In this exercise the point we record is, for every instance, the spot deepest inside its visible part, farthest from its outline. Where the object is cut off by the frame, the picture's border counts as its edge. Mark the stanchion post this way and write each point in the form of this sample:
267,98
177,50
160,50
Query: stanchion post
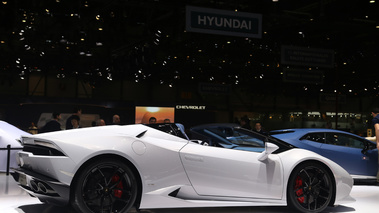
8,157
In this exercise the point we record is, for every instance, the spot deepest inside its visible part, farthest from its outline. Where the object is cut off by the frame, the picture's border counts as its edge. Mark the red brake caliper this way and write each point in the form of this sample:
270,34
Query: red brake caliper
117,192
299,189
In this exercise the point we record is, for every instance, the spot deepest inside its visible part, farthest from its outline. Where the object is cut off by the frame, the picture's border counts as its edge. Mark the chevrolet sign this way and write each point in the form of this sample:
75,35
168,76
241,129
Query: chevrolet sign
190,107
223,22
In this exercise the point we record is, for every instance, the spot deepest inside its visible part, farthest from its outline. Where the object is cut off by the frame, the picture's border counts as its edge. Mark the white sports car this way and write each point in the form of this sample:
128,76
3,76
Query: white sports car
113,168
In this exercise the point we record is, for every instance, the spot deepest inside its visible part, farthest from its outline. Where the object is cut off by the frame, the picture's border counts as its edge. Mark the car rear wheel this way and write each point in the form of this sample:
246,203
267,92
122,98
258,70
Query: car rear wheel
105,185
310,188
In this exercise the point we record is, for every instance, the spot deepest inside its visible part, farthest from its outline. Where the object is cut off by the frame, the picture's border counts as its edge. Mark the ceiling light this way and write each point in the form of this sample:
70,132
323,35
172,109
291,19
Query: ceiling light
110,76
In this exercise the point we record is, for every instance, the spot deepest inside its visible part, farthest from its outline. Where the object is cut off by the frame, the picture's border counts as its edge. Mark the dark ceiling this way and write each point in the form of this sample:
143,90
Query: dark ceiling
145,40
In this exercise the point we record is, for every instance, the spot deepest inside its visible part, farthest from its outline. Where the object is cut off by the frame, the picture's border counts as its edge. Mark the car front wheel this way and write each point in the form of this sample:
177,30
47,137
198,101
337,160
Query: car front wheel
310,188
105,185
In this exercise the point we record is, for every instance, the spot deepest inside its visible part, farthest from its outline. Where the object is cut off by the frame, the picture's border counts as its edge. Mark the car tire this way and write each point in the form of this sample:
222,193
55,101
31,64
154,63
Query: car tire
310,188
104,185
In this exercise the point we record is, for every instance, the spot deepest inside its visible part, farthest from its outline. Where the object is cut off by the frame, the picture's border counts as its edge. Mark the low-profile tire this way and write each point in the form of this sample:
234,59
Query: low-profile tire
105,185
310,188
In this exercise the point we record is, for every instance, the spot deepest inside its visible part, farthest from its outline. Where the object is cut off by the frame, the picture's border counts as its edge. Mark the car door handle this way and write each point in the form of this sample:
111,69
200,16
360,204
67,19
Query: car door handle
194,158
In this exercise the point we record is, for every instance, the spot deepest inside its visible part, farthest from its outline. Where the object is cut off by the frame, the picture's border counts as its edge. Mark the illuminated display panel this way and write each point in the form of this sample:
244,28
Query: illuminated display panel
143,114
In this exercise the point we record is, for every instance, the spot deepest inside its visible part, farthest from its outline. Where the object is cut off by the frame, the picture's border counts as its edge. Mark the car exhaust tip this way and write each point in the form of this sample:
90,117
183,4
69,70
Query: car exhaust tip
34,186
42,188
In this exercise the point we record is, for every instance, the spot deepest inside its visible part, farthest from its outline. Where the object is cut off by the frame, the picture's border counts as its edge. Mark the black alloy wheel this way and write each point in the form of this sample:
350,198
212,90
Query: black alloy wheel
310,188
105,185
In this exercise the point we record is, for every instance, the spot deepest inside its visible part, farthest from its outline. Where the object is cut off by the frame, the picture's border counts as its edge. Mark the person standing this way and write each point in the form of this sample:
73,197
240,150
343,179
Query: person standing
100,122
33,129
258,128
76,112
245,122
152,120
375,123
116,120
52,125
75,121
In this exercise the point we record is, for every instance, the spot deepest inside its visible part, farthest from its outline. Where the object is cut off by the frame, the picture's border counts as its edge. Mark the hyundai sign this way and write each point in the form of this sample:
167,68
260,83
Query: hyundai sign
223,22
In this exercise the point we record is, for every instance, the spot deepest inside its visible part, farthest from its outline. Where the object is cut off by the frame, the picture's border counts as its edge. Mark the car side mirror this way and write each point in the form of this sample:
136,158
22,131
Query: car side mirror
269,148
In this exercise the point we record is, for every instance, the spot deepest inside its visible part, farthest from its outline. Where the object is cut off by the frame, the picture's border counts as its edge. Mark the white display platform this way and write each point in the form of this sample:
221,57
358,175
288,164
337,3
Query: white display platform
15,200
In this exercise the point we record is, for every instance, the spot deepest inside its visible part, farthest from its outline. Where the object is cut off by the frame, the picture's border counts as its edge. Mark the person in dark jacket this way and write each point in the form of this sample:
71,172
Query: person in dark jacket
258,128
52,125
375,123
77,112
75,121
245,122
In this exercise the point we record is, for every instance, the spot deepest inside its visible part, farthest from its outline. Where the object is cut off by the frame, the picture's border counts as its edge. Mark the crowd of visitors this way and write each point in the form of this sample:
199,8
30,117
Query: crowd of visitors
55,123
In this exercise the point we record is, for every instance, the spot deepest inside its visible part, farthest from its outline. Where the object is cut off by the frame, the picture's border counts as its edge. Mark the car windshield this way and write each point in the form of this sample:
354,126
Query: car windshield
235,136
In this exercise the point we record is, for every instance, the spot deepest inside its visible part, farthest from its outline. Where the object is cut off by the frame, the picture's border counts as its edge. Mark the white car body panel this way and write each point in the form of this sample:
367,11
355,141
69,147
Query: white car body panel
9,135
213,172
200,176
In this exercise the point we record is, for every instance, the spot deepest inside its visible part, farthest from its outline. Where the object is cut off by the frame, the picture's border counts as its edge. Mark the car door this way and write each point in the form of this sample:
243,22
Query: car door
216,171
346,150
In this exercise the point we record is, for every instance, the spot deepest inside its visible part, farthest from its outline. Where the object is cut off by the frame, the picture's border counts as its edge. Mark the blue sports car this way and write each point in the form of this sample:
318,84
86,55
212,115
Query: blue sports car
355,154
